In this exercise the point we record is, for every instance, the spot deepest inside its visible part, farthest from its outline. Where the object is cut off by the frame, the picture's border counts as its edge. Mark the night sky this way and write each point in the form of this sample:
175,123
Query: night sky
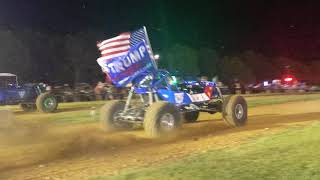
274,28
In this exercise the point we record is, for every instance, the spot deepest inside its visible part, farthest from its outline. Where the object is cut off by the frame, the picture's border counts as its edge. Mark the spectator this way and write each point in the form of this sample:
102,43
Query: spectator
99,91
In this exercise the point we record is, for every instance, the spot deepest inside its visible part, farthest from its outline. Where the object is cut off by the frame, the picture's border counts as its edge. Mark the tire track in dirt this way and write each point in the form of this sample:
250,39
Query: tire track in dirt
83,151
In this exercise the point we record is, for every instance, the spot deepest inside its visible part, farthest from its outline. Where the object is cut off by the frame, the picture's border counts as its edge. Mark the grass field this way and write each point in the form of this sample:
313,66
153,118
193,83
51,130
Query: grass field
292,154
254,101
69,144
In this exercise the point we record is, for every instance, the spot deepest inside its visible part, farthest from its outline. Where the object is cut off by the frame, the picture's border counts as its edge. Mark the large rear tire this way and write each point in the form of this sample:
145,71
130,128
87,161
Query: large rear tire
235,111
46,103
108,113
161,118
191,117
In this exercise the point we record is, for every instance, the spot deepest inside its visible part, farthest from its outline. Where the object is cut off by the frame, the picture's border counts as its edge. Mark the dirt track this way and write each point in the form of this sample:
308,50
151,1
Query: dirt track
83,151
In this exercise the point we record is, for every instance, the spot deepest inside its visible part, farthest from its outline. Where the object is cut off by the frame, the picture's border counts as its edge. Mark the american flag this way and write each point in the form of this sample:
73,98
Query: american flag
120,45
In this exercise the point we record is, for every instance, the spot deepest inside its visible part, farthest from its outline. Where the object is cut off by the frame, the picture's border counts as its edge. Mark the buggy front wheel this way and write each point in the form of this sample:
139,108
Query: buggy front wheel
161,118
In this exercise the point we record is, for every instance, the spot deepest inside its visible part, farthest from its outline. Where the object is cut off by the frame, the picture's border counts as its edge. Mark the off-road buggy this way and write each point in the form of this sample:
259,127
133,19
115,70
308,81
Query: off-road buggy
30,97
162,105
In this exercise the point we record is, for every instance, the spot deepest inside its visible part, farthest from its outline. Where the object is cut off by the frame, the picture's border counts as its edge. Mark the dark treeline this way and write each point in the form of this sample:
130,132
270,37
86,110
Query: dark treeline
71,57
50,57
248,66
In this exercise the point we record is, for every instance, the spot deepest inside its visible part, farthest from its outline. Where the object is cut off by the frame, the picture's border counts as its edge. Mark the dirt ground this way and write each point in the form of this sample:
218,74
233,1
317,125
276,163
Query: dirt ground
46,151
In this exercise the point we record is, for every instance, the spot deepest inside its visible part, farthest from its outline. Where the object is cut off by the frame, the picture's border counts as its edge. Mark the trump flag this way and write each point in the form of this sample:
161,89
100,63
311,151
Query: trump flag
126,56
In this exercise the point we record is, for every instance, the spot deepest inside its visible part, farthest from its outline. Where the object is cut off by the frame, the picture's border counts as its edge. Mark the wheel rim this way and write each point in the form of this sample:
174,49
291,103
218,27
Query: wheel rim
167,122
49,103
239,112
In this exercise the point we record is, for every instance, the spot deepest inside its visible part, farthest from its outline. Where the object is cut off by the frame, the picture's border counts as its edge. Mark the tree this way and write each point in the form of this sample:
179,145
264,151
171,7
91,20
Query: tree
262,66
46,52
182,59
14,56
290,66
314,74
208,62
80,57
232,68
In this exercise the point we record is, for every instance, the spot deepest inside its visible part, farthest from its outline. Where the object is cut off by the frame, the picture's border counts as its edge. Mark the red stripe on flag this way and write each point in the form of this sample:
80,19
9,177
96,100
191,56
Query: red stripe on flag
124,36
115,52
116,46
118,40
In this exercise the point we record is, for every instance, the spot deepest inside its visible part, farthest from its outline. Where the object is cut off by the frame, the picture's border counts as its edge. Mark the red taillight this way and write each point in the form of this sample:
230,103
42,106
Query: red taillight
208,90
288,79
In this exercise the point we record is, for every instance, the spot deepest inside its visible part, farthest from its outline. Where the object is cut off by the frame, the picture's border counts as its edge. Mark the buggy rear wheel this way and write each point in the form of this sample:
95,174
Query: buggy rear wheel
235,111
161,118
46,103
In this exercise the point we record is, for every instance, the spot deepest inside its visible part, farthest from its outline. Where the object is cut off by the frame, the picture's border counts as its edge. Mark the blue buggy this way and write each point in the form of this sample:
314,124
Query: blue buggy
156,101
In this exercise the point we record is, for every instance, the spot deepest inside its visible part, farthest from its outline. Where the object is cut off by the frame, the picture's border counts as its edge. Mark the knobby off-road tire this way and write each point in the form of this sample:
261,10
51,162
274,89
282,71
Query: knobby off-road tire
107,114
235,111
161,119
46,103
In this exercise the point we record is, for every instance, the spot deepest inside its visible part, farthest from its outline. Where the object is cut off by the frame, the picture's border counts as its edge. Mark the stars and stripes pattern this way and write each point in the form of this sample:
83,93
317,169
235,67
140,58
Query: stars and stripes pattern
120,45
114,47
138,36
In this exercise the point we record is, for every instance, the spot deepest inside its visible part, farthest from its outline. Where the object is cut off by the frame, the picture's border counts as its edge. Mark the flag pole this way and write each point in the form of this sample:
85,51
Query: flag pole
149,44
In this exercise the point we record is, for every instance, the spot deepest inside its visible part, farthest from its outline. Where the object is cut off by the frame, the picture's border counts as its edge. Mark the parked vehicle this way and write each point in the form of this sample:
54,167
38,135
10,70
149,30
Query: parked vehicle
30,97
